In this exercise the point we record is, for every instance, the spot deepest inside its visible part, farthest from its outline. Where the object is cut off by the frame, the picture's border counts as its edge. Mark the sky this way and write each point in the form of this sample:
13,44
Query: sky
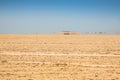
51,16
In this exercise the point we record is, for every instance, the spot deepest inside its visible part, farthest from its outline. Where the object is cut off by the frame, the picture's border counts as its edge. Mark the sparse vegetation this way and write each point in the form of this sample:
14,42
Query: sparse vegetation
4,61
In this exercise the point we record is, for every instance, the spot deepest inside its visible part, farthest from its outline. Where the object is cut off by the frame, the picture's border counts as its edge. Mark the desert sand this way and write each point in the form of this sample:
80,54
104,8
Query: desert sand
59,57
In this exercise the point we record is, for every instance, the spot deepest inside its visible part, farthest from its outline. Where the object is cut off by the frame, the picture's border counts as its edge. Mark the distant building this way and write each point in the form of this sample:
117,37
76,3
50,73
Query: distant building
68,33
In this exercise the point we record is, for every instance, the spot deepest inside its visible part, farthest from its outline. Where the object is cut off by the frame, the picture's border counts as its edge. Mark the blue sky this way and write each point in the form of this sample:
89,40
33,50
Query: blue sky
49,16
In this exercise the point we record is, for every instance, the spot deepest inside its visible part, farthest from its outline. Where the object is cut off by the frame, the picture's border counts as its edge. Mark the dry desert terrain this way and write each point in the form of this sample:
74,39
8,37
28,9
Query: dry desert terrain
59,57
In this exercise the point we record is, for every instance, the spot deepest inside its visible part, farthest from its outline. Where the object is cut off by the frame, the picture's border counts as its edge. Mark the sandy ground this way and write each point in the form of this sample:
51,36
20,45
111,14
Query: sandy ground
57,57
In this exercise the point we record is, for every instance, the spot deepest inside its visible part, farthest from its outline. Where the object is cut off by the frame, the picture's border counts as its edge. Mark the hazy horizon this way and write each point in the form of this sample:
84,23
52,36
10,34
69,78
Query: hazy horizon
51,16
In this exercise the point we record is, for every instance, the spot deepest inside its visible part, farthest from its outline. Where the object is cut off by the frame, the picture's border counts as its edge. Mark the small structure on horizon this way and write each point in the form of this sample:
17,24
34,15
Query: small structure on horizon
68,33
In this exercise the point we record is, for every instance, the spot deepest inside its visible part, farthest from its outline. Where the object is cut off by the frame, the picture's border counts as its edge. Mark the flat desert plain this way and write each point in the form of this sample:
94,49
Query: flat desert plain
59,57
